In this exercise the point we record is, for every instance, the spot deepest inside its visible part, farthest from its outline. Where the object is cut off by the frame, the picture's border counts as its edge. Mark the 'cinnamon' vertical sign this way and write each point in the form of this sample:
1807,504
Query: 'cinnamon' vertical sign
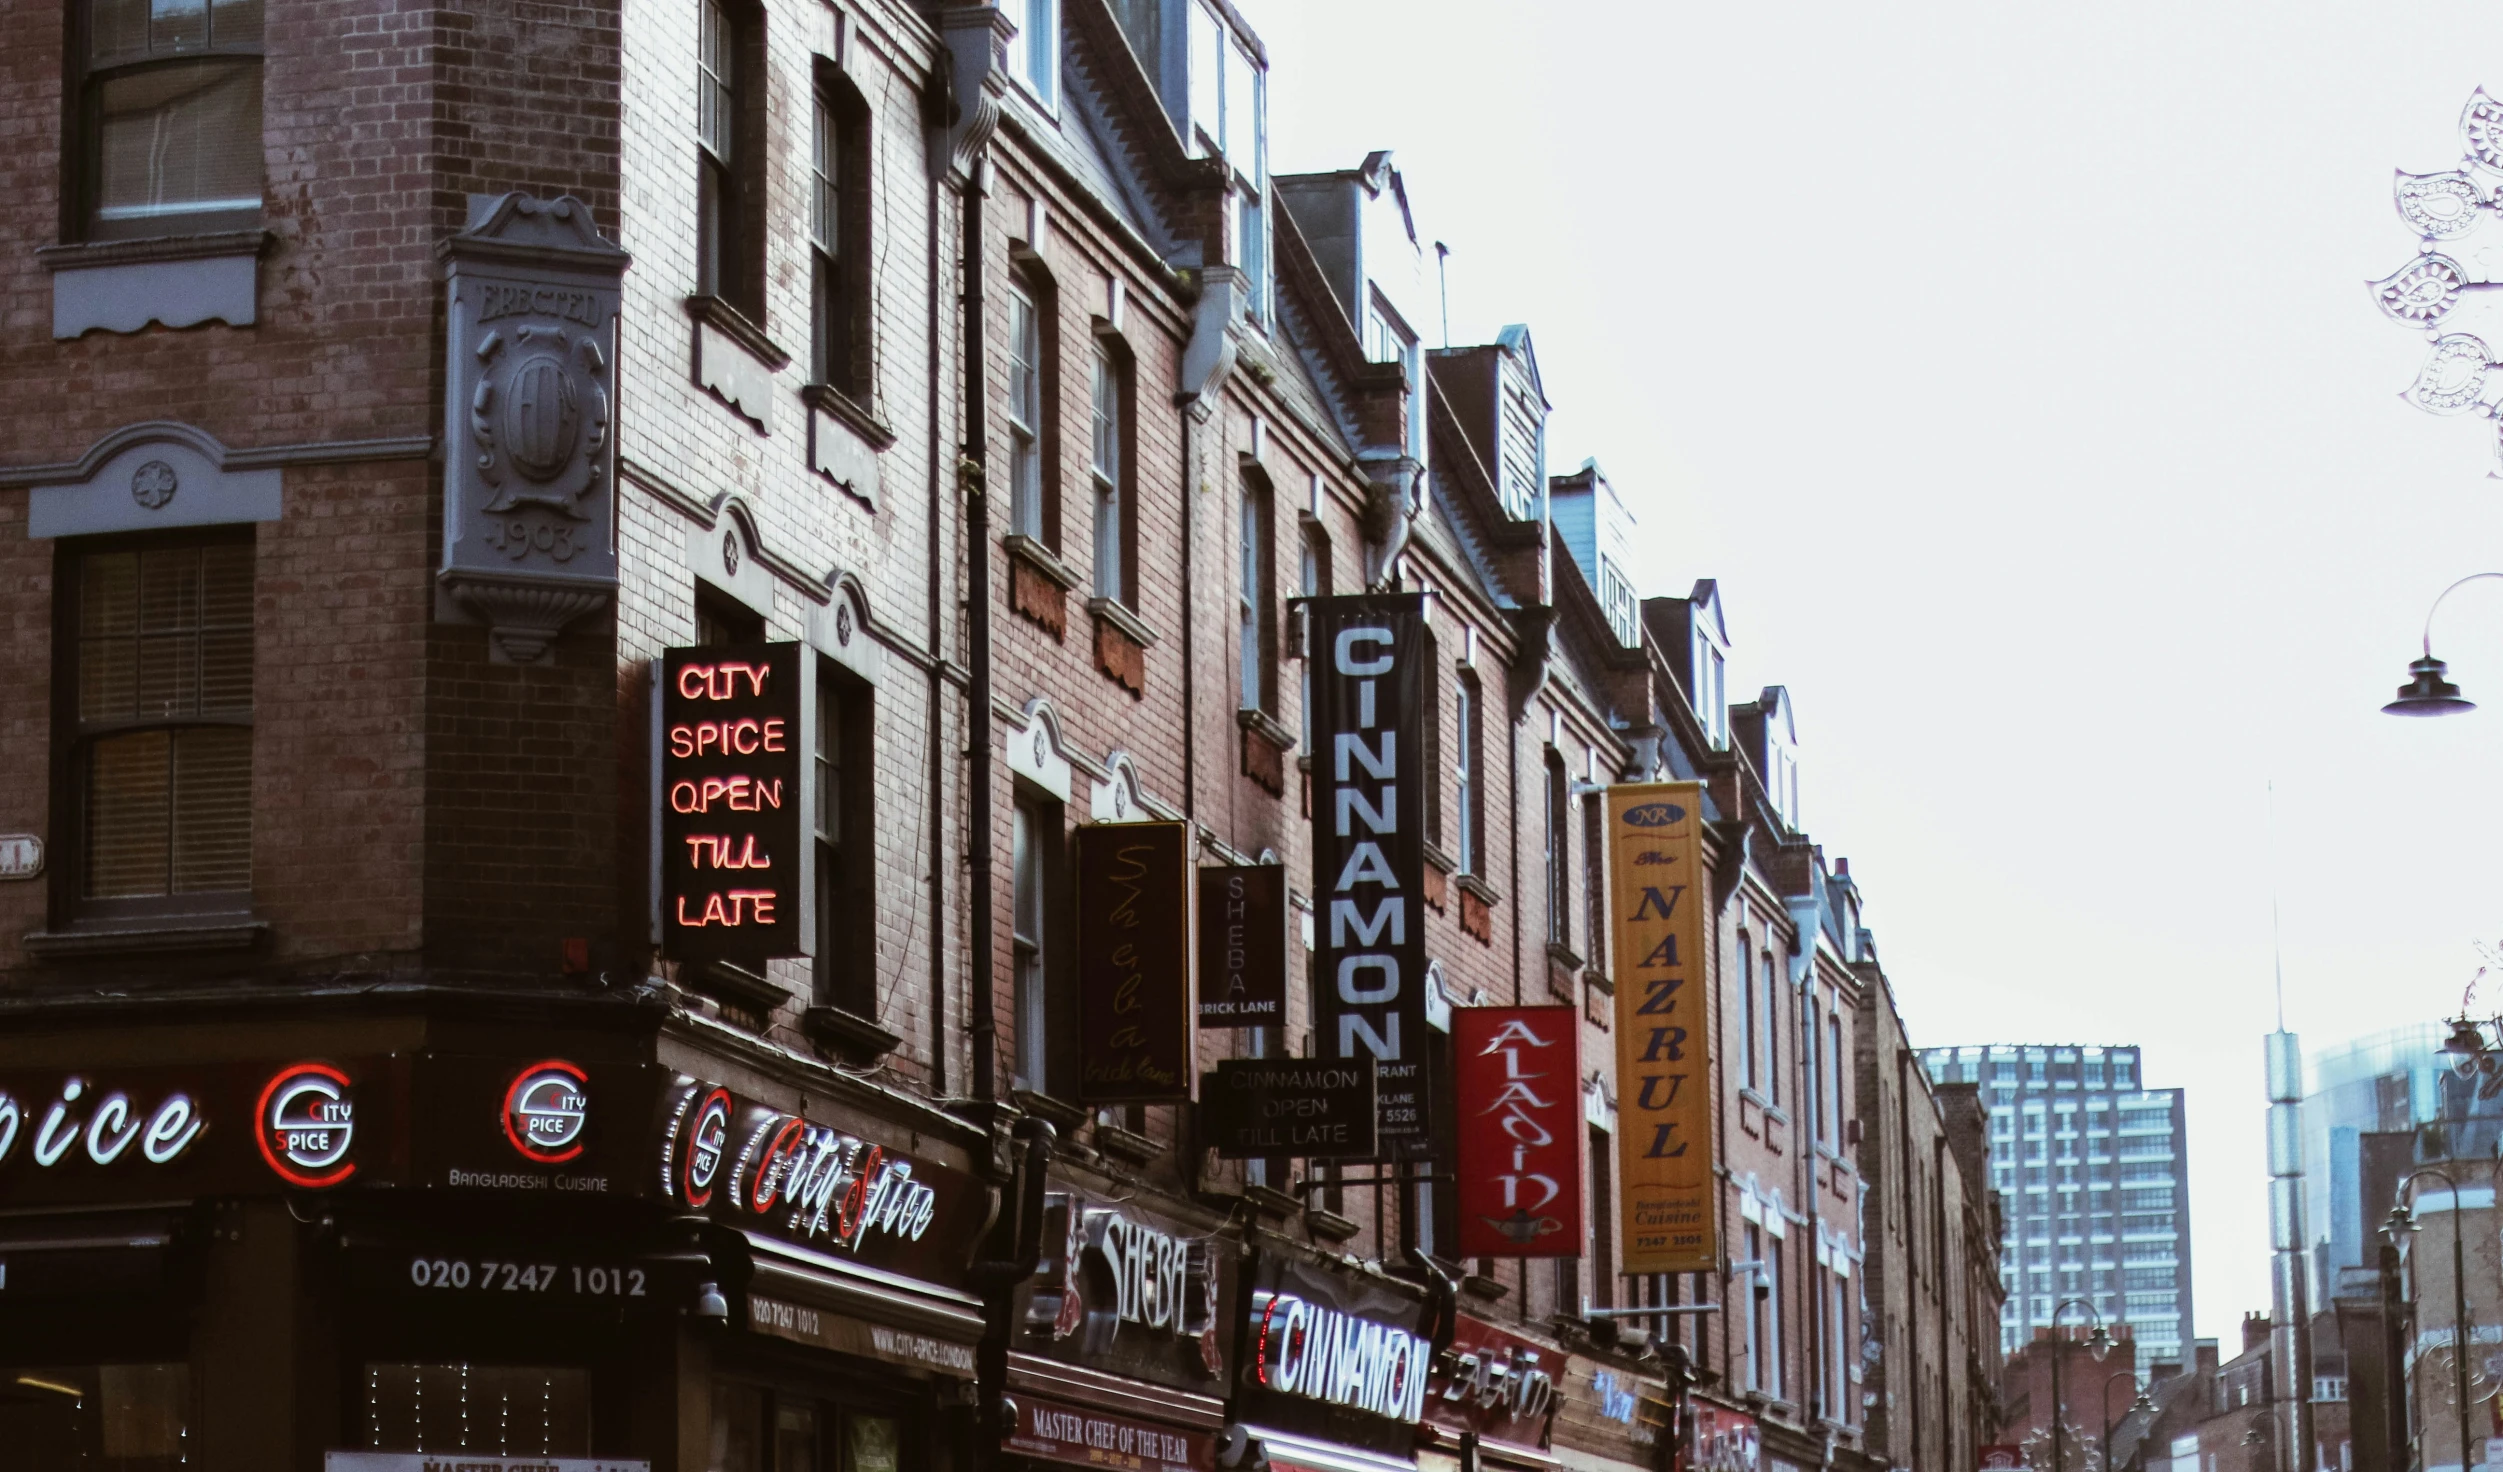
1517,1077
736,793
1660,902
1369,683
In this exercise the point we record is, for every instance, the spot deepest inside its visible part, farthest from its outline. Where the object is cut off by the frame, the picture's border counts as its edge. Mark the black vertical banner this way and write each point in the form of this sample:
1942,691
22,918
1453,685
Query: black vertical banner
1242,945
737,788
1369,679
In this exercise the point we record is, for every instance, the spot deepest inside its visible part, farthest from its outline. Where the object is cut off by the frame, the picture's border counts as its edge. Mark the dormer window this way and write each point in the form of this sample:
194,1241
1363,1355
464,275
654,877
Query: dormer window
1781,782
1034,56
1710,695
1225,93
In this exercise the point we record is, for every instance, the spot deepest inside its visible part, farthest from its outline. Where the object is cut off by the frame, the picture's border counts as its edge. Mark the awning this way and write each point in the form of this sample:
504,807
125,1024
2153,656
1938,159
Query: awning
1113,1392
811,1298
1575,1460
1289,1451
60,1256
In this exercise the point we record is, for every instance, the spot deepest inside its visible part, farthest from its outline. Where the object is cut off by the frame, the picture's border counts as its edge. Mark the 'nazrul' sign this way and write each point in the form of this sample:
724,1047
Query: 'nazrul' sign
1660,906
1134,962
1517,1080
1368,850
737,789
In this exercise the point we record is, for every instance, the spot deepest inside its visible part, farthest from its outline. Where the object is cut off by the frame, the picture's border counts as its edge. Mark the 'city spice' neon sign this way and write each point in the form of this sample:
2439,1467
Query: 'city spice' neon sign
736,788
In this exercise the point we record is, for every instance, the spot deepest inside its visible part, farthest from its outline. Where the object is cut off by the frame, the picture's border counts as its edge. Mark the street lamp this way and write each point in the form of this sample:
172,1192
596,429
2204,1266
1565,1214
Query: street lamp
2402,1219
2426,693
2140,1404
2098,1344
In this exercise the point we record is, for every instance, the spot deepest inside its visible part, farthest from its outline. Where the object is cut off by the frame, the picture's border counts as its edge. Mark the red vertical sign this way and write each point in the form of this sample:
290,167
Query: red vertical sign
1519,1087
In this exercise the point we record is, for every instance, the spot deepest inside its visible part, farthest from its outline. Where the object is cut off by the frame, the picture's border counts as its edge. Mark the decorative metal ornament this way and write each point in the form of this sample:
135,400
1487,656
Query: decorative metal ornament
2453,378
2438,206
2443,207
2481,130
2422,292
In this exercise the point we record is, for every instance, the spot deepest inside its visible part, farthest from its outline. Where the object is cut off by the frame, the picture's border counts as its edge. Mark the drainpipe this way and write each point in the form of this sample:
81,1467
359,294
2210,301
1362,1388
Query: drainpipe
938,677
1207,361
968,91
1810,1053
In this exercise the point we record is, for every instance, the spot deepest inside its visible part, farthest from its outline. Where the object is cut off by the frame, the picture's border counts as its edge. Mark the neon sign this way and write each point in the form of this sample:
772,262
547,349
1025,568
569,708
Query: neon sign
545,1110
305,1125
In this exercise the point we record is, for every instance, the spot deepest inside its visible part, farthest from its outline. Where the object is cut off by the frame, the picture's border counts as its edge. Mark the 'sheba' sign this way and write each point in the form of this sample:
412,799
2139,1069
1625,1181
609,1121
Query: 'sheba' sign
736,793
1135,1039
1518,1085
1368,855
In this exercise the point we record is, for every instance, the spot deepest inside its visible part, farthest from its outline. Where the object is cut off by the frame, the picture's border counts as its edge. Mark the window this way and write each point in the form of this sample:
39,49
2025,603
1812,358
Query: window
1751,1071
1108,463
1315,583
1833,1093
1603,1246
846,960
1559,855
160,739
1595,879
113,1418
169,118
721,620
1710,695
1034,57
1036,849
761,1429
1772,1029
1032,386
840,352
1433,683
1465,807
730,240
1256,599
505,1410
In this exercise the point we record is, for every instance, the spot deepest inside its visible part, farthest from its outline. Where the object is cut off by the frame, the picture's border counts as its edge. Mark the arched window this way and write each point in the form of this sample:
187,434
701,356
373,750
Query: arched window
1466,777
1256,596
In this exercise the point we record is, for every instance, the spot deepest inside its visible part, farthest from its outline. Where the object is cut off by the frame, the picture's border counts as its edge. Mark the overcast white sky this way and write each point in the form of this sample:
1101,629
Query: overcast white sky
2012,369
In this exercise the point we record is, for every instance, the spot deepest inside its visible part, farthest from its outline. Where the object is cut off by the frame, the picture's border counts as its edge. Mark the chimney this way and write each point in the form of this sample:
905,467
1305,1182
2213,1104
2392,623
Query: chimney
2205,1352
2254,1331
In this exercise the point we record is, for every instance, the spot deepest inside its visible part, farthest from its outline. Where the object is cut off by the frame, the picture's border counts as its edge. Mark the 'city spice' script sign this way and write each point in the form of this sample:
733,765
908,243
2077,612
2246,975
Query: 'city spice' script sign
736,791
1660,898
1368,847
1134,962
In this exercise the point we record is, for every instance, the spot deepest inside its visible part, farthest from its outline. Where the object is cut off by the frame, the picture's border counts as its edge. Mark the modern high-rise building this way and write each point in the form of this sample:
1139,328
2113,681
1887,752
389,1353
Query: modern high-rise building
2381,1083
2094,1169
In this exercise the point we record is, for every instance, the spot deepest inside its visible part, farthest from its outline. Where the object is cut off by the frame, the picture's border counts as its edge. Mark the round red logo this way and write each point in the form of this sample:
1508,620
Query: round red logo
545,1110
305,1124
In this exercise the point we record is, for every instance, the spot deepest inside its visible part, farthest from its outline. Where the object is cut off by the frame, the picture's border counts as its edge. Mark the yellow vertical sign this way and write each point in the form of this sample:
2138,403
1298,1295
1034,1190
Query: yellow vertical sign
1661,901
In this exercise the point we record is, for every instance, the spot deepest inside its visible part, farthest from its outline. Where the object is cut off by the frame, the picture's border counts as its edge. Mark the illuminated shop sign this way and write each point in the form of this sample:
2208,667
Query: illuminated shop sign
305,1124
101,1125
1333,1353
1321,1354
744,1162
736,797
1496,1384
545,1110
1109,1269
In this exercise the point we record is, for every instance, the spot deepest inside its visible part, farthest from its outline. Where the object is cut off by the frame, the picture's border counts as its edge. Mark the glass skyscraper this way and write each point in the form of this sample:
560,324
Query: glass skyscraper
2093,1170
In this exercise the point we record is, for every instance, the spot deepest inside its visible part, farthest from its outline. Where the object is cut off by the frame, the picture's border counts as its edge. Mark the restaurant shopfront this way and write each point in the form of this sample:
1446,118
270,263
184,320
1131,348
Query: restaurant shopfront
368,1245
1332,1365
1117,1353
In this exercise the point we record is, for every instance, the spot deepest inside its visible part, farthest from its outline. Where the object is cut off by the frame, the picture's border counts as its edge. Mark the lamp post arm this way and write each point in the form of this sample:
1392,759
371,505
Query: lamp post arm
2445,593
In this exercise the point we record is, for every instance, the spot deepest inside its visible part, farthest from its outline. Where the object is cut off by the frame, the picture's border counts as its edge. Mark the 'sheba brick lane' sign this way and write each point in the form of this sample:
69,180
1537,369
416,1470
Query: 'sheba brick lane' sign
736,790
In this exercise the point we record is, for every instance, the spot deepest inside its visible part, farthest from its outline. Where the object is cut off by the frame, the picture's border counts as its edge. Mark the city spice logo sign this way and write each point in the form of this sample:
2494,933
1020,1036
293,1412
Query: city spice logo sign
814,1182
545,1110
305,1124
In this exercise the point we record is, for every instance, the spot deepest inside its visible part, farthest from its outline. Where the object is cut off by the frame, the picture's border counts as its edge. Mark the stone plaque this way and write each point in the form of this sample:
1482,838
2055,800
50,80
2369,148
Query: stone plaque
530,432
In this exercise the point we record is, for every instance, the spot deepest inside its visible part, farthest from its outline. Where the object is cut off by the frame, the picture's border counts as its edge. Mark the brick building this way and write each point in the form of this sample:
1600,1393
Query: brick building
414,408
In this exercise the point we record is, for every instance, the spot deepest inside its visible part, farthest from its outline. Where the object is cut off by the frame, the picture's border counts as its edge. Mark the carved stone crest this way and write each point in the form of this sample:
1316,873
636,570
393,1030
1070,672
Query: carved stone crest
154,484
529,501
